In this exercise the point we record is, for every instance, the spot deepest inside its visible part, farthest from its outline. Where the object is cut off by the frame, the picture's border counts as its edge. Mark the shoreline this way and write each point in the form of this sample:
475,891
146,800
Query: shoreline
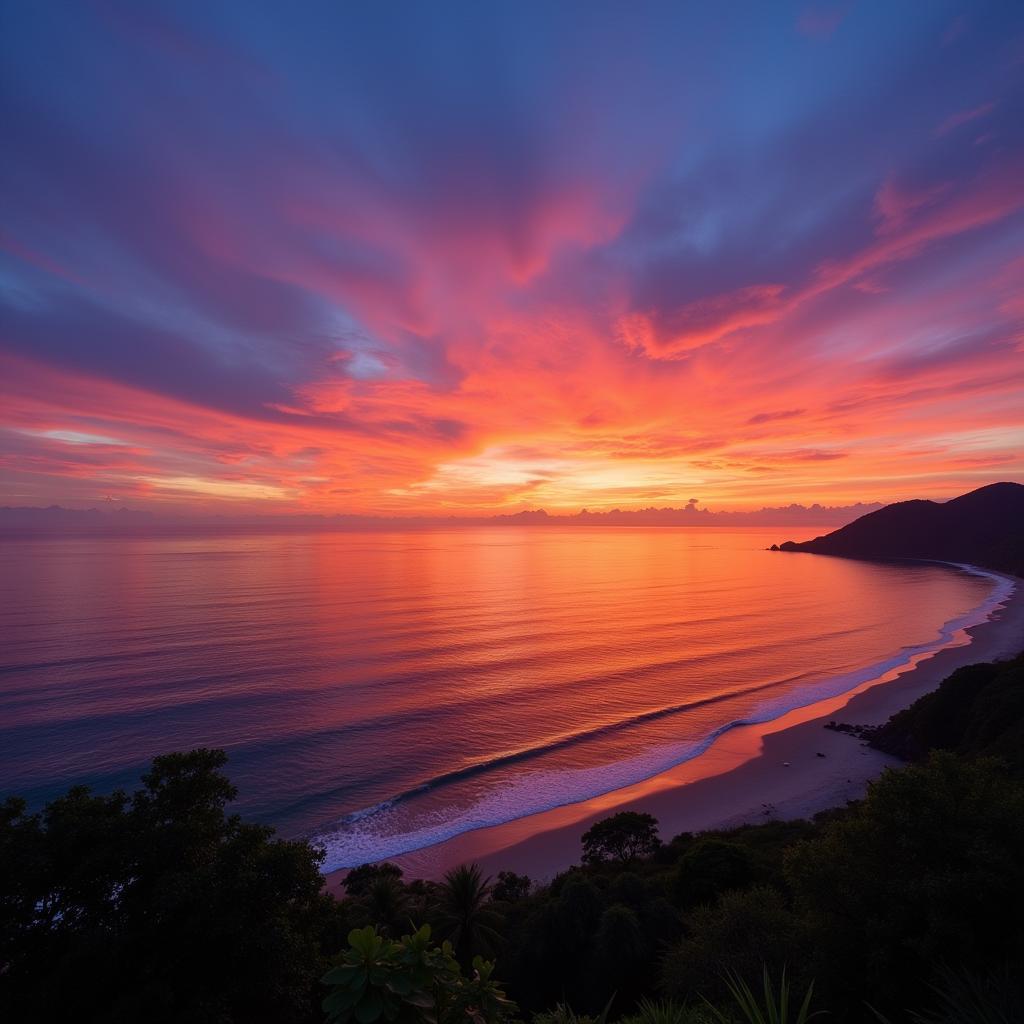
752,773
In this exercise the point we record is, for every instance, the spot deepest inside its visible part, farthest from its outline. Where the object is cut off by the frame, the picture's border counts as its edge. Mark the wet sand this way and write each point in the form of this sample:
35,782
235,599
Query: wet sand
752,773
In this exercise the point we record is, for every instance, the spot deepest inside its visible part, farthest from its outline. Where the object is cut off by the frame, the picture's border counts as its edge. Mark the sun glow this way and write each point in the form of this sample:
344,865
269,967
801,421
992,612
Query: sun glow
564,292
191,485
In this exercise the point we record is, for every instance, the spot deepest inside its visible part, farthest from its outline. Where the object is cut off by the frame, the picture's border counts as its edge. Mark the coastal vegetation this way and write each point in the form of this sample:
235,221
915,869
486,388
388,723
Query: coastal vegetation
162,906
978,711
159,906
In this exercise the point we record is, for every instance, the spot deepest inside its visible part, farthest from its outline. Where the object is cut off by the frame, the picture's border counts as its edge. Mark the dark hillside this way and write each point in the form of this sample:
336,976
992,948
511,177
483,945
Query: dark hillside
984,527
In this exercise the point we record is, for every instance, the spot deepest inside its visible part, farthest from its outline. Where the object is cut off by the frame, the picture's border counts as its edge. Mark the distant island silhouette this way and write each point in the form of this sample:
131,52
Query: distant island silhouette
984,527
121,521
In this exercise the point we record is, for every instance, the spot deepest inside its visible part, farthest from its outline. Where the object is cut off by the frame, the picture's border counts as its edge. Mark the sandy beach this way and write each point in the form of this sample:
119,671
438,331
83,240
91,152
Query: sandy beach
750,774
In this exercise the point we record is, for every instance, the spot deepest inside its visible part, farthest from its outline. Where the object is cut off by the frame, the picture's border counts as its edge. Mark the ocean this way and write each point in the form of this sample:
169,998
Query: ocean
380,692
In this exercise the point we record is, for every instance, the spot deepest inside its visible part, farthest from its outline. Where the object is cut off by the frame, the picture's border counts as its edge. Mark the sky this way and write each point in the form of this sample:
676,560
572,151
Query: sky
400,258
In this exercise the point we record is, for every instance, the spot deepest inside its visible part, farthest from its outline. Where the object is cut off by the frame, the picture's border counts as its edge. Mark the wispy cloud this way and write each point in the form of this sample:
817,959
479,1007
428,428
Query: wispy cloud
357,264
963,117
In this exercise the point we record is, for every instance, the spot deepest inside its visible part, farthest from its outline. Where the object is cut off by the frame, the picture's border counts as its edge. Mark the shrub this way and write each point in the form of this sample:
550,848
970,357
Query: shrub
667,1011
929,867
411,981
735,935
709,868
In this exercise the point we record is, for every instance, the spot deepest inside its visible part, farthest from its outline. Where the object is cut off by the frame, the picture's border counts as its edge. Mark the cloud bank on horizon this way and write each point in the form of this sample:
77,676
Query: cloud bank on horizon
476,257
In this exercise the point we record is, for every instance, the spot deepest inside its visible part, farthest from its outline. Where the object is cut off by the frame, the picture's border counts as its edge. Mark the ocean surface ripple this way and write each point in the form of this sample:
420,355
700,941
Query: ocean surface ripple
379,693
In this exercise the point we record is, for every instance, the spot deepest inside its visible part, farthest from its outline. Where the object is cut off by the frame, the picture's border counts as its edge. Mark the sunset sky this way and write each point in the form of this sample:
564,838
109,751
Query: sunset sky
440,257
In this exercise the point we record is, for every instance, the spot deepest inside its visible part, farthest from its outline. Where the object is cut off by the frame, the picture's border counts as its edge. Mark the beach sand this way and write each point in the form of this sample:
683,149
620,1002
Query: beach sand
755,773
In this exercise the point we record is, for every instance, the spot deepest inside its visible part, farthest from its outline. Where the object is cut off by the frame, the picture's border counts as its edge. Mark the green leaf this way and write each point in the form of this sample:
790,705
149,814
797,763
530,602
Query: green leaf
602,1019
343,999
340,975
421,999
369,1008
332,1003
399,983
366,942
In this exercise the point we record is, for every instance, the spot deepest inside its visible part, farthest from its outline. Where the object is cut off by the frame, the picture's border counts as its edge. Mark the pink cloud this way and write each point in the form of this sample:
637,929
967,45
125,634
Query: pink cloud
896,203
821,21
963,117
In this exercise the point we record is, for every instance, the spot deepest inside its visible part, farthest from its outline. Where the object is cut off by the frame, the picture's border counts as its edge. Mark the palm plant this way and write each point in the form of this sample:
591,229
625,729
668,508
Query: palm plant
562,1013
964,997
466,916
384,903
565,1014
665,1011
772,1008
968,998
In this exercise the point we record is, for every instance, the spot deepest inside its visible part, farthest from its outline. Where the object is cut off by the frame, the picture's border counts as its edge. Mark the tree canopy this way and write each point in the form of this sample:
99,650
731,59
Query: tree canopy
622,837
159,906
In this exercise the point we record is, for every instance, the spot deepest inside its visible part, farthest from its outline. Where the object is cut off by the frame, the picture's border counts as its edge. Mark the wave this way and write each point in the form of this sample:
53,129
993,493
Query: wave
395,826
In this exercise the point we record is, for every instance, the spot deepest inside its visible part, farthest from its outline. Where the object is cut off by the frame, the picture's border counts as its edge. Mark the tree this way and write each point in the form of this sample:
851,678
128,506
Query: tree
158,907
383,901
552,958
621,946
709,868
928,868
359,879
622,837
742,933
510,887
465,914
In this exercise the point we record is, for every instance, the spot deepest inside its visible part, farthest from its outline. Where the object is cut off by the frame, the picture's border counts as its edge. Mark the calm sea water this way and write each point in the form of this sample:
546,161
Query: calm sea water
384,691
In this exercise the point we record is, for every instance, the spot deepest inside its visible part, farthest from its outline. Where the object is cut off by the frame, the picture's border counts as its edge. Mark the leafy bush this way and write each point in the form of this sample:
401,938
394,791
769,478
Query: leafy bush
928,868
710,867
977,711
737,935
411,981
